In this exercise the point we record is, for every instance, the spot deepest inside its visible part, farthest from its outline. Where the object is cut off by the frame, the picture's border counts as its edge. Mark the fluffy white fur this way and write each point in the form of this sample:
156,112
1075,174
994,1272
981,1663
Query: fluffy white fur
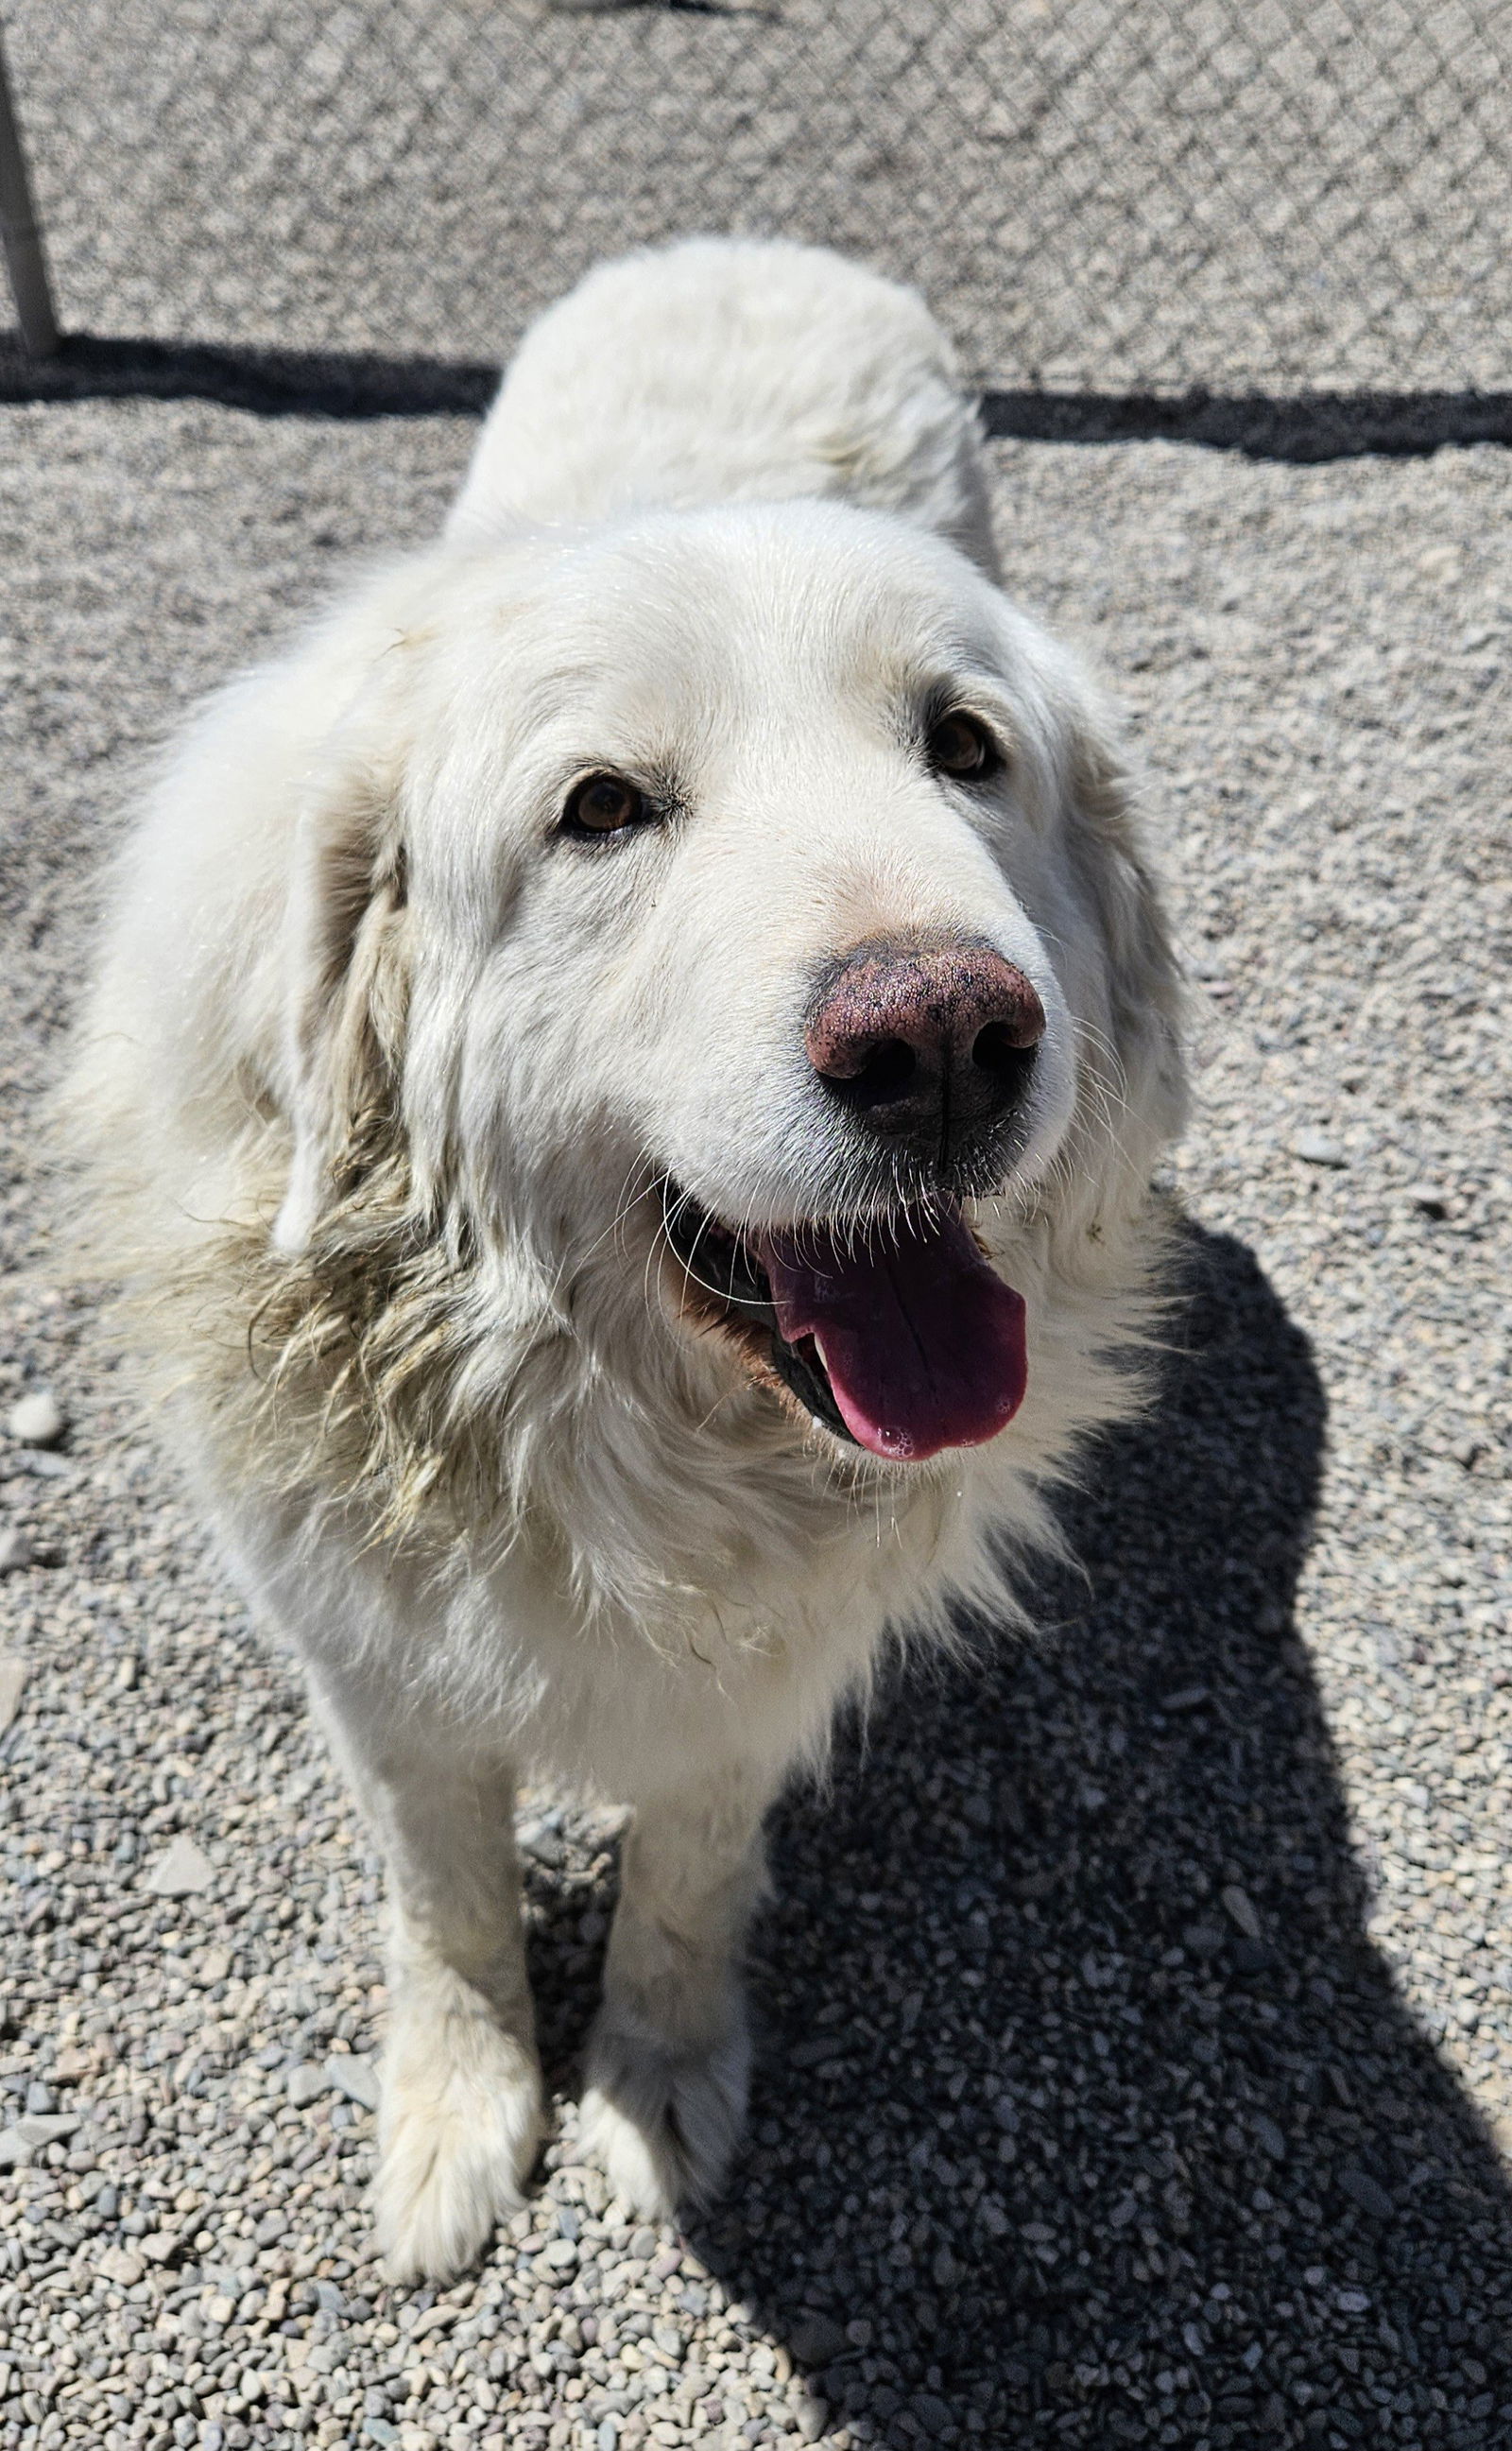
378,1072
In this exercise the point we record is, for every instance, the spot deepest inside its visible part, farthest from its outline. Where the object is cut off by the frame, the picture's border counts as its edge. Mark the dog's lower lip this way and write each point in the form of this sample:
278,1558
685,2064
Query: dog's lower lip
717,1259
720,1261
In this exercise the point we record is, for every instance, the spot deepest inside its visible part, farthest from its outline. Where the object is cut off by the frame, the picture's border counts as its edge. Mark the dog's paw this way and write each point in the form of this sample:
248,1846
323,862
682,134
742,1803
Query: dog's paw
460,2121
663,2123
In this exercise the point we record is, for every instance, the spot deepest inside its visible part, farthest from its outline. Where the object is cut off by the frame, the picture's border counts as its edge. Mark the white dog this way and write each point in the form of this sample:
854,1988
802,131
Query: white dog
625,1070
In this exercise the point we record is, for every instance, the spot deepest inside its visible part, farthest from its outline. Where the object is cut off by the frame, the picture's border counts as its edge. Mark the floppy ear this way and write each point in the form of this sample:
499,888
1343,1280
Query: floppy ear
1143,981
347,988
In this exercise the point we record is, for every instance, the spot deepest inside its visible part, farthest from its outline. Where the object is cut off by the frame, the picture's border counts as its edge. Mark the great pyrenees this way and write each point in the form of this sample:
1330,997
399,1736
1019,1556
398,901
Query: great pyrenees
624,1072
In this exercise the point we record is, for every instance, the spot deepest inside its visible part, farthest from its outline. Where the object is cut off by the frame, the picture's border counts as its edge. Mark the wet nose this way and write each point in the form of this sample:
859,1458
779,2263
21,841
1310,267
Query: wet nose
929,1046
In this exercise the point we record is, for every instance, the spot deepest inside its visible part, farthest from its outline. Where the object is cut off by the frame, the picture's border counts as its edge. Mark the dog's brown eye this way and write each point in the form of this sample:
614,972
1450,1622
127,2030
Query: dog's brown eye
605,804
958,745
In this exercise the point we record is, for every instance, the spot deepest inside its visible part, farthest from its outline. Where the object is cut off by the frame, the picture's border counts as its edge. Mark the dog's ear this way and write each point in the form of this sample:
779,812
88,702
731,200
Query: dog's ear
1145,995
348,961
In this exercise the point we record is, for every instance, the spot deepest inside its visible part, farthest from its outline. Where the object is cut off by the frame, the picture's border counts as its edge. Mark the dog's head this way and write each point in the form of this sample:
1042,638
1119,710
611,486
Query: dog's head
739,909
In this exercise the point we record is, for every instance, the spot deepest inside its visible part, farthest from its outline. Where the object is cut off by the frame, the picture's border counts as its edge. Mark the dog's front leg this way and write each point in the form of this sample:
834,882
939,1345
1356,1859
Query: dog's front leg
669,2057
460,2115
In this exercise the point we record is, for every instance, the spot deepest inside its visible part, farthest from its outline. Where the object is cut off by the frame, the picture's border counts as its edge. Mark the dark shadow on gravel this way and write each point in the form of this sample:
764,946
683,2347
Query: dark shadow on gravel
1304,427
1310,426
272,382
1084,2110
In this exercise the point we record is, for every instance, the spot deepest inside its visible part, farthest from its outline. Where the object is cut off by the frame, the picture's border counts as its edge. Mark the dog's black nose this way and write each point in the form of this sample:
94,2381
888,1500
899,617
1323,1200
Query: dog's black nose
928,1045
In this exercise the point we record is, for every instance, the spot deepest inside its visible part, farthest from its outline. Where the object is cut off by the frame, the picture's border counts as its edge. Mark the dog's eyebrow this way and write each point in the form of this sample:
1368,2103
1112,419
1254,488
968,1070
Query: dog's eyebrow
970,691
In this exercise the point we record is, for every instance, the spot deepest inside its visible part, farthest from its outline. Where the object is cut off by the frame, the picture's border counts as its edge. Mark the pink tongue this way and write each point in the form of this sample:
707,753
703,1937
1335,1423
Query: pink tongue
922,1344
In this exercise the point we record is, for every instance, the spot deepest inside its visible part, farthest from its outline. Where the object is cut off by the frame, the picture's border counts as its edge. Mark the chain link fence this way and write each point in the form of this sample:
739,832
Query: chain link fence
1111,195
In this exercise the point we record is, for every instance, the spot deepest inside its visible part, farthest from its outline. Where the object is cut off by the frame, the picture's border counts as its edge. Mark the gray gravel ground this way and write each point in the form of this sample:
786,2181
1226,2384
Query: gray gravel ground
1136,2056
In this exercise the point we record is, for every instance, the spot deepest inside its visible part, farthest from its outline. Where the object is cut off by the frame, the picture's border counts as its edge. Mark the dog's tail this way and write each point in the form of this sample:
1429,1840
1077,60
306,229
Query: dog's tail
726,370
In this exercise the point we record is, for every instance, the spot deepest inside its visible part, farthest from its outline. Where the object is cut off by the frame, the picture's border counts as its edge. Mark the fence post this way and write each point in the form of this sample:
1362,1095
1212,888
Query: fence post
25,260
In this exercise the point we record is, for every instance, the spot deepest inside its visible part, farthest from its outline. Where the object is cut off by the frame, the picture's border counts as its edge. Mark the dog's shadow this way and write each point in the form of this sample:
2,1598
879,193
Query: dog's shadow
1084,2110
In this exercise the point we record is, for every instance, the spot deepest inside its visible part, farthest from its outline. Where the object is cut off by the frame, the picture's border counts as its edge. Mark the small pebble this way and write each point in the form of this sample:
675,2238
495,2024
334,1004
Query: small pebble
1269,2135
16,1549
817,2339
12,1680
356,2076
1315,1148
1241,1910
1367,2193
37,1419
27,2136
180,1871
1429,1200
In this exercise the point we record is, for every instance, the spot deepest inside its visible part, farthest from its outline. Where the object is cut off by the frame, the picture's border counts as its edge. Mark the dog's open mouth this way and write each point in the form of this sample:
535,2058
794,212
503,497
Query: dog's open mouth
903,1340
